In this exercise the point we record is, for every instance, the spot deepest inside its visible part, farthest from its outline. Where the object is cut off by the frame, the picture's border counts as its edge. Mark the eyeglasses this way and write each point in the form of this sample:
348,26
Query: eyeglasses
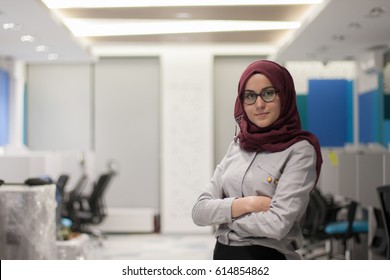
267,95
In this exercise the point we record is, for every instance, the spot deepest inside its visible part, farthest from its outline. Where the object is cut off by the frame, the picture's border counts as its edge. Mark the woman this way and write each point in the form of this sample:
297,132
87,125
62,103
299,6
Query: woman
261,188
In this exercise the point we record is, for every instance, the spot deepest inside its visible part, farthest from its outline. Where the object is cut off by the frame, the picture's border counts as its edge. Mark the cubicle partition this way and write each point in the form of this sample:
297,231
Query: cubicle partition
355,174
338,175
370,175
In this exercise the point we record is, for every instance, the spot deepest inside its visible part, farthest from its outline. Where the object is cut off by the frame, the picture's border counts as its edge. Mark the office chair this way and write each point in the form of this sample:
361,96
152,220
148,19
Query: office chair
379,241
60,187
384,198
347,230
326,226
61,183
321,210
90,209
74,194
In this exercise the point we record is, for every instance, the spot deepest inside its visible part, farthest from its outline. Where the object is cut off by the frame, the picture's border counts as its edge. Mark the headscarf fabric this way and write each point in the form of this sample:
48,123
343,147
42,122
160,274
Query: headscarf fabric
286,130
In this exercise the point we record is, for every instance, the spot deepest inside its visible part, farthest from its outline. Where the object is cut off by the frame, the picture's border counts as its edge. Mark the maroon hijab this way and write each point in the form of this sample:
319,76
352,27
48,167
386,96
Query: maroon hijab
286,130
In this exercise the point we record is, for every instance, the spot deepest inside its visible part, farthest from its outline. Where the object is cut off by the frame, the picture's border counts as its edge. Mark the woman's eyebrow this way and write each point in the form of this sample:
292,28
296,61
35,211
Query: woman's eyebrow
251,90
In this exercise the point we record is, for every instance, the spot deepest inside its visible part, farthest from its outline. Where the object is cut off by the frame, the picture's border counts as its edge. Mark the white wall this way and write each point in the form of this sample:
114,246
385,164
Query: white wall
126,129
59,107
186,134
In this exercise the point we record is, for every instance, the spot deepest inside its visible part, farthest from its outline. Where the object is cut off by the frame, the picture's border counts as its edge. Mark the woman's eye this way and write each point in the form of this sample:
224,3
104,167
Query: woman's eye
269,92
249,95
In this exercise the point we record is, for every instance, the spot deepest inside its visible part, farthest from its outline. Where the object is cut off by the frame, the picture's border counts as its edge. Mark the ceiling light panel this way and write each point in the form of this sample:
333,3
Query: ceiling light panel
89,28
63,4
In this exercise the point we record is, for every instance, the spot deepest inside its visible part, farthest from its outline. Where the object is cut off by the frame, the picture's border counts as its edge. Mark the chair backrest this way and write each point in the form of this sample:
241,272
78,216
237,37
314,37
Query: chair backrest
309,220
96,198
322,209
79,187
317,215
384,199
61,183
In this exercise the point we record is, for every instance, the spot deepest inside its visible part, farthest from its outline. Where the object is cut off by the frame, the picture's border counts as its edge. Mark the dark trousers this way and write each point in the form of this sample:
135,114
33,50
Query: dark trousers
252,252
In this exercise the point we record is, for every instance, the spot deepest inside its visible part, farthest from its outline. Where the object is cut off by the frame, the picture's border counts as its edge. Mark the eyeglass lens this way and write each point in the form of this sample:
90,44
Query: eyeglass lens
267,95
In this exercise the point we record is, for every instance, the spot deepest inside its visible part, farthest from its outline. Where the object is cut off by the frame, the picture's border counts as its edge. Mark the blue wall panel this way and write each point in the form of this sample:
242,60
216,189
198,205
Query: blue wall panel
368,122
330,111
4,107
349,112
302,108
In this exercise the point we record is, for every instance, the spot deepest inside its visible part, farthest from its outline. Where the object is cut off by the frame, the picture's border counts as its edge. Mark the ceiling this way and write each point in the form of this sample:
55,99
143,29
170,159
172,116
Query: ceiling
332,30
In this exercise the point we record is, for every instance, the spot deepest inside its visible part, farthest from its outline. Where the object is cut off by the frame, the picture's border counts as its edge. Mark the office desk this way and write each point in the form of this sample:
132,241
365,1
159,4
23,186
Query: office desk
27,222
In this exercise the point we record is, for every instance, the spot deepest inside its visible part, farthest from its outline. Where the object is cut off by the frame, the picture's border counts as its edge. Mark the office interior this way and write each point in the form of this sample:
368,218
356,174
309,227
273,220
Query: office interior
156,113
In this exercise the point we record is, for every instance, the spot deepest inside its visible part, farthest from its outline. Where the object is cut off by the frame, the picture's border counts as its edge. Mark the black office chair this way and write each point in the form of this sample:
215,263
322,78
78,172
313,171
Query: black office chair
320,211
379,243
61,183
74,194
327,226
384,198
90,209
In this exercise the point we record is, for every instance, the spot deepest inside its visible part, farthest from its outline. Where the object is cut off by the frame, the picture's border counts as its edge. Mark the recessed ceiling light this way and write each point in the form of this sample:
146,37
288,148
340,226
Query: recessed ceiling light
41,48
27,38
11,26
52,56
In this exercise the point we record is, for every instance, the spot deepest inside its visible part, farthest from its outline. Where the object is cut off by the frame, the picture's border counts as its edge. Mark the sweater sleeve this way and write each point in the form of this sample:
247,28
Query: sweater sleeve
289,202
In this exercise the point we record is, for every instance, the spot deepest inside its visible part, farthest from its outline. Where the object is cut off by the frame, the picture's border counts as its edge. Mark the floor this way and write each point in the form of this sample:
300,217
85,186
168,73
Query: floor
175,247
152,247
162,247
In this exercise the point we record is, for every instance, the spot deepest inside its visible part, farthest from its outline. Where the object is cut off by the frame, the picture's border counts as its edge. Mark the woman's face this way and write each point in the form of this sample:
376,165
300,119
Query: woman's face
261,113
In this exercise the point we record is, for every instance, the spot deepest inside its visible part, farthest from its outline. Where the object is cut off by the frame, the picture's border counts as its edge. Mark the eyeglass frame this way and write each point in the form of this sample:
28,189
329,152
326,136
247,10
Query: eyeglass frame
263,91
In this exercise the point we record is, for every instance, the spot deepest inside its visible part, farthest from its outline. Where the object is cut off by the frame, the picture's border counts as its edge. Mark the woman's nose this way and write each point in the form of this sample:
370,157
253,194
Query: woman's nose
259,102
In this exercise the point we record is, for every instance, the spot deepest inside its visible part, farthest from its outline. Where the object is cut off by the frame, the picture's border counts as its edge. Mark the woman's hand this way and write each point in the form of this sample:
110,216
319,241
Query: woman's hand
249,204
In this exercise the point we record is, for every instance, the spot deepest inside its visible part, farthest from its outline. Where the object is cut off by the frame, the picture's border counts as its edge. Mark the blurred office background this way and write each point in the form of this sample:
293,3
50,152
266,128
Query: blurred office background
79,95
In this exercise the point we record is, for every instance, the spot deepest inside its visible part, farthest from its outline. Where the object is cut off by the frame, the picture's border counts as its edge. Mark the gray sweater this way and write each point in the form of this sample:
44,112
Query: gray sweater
287,176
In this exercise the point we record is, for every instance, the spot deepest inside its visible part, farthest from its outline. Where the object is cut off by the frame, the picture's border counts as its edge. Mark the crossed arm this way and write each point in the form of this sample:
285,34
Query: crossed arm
249,204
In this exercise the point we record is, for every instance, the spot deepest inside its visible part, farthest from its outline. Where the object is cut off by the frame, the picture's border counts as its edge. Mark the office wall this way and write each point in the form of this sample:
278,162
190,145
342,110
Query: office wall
127,129
329,111
186,133
111,108
59,107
